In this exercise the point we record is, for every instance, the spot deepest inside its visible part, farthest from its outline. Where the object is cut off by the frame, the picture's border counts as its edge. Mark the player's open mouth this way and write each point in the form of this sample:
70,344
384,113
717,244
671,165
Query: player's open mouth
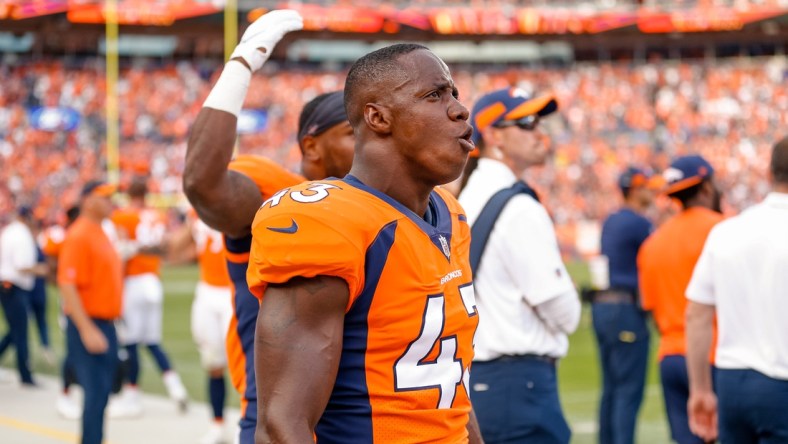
465,139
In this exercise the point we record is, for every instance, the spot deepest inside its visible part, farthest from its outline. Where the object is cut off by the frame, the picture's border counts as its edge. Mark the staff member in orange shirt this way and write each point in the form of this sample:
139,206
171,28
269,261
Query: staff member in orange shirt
665,264
90,277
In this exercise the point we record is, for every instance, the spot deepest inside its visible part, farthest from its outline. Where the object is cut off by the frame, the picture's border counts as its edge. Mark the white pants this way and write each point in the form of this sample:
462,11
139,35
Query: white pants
212,310
142,310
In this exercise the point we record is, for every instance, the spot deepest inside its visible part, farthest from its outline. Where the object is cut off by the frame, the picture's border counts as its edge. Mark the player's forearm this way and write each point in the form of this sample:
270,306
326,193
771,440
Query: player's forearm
154,250
38,270
561,313
52,269
700,319
474,432
206,181
225,200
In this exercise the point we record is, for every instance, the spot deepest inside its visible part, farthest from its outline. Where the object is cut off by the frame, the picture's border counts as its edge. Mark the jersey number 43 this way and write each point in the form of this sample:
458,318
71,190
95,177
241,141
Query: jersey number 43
413,372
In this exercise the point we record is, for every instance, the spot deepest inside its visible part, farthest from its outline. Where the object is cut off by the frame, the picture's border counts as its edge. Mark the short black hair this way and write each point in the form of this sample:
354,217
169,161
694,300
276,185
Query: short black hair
687,194
369,68
779,162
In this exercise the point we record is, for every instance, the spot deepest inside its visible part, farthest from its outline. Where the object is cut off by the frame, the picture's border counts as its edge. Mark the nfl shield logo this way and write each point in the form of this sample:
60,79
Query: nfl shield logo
445,246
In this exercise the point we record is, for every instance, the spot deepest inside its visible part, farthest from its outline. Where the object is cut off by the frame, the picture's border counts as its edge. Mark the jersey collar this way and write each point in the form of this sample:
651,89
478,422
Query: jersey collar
439,231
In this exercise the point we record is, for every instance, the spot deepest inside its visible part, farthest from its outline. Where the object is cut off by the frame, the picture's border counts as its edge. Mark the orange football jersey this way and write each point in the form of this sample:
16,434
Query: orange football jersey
269,178
411,316
146,227
210,255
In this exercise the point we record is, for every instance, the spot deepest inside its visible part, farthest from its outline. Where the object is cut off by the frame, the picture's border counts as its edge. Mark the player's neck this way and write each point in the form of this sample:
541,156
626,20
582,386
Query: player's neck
635,205
407,192
93,217
780,187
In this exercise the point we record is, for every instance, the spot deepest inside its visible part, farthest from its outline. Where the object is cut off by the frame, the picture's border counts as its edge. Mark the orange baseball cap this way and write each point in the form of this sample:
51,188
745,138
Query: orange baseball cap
98,188
508,104
685,172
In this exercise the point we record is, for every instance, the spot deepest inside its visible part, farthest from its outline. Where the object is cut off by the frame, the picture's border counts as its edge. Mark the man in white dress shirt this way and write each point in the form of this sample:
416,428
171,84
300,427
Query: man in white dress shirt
526,300
742,277
17,265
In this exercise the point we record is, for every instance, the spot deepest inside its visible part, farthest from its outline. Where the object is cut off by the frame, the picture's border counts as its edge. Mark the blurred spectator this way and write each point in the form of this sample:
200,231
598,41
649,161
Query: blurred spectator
17,265
665,263
619,323
526,300
740,283
38,299
90,280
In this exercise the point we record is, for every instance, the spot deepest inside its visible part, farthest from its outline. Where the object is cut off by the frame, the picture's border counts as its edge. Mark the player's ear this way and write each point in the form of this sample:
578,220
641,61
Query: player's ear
309,149
708,187
378,118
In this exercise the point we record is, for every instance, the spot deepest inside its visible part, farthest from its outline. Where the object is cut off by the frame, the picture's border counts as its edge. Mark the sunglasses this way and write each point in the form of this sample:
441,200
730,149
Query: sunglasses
527,123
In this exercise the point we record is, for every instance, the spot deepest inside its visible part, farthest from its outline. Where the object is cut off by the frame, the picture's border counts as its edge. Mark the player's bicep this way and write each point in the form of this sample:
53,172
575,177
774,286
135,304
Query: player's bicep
298,345
229,207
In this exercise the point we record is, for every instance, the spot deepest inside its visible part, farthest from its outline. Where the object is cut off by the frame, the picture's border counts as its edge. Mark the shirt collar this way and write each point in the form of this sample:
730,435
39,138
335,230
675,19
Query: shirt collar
777,200
495,173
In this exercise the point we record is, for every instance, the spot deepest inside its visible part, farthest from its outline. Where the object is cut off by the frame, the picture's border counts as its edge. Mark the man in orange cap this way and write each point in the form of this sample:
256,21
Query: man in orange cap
665,264
90,277
526,300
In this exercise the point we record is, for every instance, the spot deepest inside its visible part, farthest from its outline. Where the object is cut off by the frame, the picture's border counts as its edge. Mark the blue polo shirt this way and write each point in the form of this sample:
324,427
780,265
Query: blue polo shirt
622,235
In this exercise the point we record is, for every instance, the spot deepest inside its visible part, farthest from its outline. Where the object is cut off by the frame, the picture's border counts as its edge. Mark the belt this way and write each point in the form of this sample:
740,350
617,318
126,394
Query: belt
614,297
527,357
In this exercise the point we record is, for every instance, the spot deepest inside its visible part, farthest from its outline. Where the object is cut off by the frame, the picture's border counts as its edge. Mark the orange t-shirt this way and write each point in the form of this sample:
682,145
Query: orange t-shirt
146,227
89,261
665,265
211,255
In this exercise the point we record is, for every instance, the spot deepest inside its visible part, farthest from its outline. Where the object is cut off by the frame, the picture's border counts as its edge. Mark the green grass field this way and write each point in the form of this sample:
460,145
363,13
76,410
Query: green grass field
578,372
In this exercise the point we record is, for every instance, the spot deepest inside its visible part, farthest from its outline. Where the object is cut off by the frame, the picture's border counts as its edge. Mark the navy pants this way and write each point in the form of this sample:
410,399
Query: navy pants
516,400
38,307
14,301
94,373
623,338
675,389
753,408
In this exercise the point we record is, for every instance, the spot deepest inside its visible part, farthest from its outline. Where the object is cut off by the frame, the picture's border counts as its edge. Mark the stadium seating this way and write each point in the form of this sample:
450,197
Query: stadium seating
611,114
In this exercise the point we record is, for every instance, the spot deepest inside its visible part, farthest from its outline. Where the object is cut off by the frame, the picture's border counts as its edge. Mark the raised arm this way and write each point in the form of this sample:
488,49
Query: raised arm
297,349
225,200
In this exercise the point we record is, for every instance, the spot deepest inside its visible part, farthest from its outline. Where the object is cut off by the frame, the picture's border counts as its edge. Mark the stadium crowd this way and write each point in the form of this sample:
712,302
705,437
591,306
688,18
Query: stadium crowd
611,114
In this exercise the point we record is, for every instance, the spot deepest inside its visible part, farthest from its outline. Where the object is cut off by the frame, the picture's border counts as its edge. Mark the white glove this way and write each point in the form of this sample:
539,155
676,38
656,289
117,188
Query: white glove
260,37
